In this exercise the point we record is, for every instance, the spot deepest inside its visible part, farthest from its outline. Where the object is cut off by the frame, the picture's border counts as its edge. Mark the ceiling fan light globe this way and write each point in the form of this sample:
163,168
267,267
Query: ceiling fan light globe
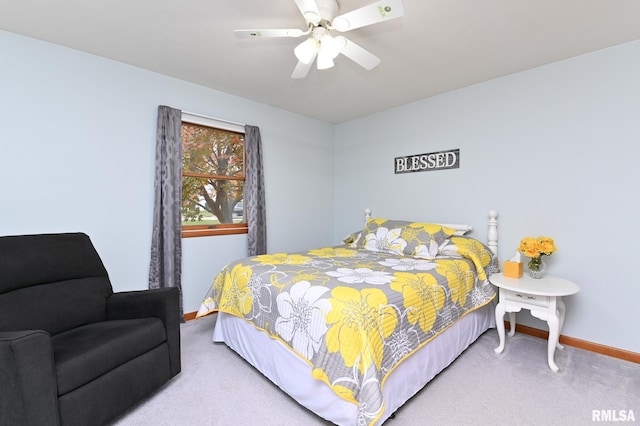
330,46
325,61
306,51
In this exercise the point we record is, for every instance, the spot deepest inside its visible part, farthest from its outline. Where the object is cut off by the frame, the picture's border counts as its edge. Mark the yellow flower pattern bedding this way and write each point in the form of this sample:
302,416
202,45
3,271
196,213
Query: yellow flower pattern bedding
354,314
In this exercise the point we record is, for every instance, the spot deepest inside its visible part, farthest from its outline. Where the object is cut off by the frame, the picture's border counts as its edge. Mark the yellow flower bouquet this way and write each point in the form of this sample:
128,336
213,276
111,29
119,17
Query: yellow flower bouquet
535,248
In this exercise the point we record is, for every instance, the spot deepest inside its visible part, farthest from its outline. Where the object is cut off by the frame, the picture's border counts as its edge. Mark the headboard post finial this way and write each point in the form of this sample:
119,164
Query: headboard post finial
492,235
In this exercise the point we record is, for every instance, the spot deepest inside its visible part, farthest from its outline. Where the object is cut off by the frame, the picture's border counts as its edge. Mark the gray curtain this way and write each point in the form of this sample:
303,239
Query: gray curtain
254,193
166,243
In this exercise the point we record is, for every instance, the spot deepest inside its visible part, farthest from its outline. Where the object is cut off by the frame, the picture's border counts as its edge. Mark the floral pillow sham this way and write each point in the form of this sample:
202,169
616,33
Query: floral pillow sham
404,238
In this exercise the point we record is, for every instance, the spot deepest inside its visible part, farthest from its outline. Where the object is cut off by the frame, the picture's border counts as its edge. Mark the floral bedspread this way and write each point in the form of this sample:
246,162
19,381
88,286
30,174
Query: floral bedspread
355,314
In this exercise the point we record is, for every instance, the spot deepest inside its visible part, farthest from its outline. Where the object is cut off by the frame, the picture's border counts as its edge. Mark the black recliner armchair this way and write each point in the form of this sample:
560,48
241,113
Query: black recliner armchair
73,352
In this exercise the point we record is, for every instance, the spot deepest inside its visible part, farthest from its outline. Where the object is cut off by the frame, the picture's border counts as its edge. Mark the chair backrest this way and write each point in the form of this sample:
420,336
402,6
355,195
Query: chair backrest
51,282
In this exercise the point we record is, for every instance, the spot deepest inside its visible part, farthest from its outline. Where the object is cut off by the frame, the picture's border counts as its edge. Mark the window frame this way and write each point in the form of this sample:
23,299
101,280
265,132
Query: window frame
223,228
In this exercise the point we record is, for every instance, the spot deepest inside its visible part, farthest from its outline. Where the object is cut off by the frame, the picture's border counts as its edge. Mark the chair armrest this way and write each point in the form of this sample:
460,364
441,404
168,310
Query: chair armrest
29,391
162,303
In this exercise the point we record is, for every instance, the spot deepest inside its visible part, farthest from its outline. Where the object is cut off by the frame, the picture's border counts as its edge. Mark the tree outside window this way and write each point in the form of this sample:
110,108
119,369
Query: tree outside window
213,174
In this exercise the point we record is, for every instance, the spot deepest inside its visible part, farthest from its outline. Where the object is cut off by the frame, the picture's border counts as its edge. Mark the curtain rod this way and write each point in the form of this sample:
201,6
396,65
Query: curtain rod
212,118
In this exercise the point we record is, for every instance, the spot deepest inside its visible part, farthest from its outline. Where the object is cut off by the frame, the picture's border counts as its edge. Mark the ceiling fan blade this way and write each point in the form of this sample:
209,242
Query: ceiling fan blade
379,11
301,70
309,10
269,33
357,54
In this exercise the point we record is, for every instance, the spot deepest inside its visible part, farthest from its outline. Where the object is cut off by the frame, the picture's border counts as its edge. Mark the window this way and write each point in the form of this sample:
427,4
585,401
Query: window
213,175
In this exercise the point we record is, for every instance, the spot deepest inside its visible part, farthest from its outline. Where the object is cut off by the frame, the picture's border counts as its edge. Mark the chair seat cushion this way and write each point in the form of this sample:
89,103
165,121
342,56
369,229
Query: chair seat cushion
87,352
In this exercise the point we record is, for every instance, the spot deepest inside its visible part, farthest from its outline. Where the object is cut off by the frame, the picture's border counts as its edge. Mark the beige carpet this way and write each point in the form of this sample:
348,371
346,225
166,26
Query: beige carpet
217,387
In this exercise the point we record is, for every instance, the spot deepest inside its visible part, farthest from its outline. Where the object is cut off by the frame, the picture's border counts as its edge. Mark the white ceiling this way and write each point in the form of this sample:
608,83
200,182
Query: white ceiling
437,46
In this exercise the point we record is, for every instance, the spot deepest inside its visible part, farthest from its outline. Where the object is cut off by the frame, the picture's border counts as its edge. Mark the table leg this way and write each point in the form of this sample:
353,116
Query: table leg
512,324
554,334
500,326
561,311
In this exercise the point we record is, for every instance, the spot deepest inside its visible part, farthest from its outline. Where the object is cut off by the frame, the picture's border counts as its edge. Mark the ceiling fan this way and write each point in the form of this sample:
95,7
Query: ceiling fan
322,17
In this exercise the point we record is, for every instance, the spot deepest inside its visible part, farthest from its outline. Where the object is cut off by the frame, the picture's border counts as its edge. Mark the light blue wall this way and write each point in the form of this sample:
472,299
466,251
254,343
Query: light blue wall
554,150
78,144
78,133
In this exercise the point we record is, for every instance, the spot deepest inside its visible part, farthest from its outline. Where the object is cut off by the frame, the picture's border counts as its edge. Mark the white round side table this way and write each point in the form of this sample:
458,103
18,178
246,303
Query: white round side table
543,297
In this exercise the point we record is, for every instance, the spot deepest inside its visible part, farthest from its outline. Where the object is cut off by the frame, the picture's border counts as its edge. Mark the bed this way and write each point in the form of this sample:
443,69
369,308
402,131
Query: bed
352,332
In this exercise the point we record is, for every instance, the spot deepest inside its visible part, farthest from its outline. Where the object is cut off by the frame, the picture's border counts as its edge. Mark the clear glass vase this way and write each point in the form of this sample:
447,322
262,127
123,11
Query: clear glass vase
537,267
